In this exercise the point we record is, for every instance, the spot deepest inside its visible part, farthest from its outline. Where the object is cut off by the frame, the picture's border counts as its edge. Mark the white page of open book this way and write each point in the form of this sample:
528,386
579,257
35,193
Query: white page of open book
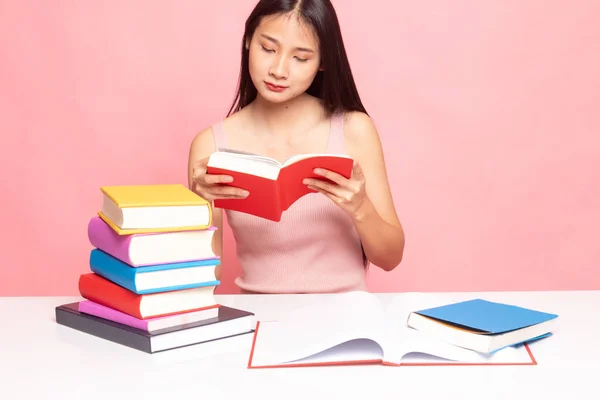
299,157
240,161
355,326
248,155
323,326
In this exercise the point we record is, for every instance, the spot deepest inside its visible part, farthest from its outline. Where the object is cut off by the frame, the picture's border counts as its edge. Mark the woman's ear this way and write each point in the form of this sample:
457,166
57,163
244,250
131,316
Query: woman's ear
247,44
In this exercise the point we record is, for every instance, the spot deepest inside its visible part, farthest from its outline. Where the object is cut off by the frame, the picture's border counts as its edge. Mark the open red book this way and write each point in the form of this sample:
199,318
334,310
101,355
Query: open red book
273,186
357,328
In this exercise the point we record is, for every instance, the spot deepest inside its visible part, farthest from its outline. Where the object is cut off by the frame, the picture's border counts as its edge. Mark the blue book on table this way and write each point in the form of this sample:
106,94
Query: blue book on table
483,325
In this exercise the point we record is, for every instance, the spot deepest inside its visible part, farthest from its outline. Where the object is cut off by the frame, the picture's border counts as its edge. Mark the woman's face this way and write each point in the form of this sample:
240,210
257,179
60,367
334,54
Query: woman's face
283,58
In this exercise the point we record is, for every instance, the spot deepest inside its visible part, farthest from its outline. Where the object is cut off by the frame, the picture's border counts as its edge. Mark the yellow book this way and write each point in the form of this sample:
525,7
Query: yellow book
132,209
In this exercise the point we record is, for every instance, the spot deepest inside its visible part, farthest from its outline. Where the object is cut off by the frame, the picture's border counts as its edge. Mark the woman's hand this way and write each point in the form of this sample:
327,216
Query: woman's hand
348,194
211,187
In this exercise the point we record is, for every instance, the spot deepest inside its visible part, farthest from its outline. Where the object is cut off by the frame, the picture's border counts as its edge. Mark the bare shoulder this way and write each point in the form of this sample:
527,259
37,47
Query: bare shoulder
358,121
360,135
237,118
236,123
203,142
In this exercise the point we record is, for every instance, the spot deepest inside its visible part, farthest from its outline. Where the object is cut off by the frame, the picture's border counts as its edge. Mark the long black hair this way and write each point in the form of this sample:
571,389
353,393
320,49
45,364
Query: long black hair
334,84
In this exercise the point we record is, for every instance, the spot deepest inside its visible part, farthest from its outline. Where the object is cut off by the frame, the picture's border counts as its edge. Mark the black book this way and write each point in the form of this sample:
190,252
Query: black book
230,322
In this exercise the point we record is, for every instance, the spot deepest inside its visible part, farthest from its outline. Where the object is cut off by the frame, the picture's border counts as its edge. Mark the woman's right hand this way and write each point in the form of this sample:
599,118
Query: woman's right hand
209,186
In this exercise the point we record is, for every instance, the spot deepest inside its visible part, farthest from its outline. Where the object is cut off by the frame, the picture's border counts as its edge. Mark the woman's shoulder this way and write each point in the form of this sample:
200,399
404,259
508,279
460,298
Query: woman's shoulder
233,121
359,135
362,143
359,130
227,123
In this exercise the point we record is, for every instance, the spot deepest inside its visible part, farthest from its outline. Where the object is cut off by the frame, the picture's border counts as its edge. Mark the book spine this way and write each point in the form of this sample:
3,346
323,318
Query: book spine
280,198
96,327
113,269
103,237
98,310
102,291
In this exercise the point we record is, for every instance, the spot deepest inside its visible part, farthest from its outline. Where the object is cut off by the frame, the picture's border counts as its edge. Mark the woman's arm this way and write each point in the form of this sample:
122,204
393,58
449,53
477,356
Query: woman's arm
366,196
376,219
201,147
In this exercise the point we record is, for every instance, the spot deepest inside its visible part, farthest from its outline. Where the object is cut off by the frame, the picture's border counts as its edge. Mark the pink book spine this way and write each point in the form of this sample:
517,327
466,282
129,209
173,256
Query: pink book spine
102,236
98,310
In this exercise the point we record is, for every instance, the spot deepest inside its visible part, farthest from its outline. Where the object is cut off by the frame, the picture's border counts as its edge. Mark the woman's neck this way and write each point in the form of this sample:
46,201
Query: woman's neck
298,114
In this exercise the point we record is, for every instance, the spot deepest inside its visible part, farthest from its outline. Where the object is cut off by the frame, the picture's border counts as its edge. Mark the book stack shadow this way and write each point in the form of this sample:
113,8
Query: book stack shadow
153,273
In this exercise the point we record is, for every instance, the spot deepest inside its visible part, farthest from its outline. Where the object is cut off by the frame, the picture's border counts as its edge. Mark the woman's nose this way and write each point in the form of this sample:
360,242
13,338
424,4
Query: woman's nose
280,69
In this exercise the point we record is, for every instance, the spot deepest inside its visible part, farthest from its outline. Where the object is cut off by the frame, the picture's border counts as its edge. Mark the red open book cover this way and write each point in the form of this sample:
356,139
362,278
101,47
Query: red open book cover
356,328
273,186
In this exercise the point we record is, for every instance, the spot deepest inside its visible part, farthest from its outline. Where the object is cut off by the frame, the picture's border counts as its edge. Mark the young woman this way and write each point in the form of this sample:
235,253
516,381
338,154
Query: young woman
296,95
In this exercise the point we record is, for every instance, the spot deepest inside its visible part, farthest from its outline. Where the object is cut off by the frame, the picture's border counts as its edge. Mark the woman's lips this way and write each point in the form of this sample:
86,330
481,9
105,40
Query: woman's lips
275,88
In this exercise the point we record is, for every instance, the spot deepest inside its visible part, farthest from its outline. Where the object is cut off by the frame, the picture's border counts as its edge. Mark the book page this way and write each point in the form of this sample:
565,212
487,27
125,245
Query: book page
247,155
509,355
262,166
268,349
331,321
407,345
299,157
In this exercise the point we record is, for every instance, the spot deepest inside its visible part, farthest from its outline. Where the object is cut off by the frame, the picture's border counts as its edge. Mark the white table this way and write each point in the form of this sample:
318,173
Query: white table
41,359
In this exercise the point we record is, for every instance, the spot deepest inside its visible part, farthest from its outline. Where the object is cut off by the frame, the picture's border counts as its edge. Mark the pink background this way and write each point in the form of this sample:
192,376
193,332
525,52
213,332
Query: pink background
488,111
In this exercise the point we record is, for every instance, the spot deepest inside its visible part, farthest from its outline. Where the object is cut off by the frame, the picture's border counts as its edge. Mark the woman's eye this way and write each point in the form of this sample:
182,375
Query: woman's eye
302,59
265,49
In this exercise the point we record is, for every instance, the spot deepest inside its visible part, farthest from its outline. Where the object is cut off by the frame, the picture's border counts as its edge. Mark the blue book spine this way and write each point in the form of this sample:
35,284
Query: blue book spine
125,275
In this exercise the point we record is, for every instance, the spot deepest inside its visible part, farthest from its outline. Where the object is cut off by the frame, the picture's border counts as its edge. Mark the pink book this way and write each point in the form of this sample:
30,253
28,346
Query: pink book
143,249
150,324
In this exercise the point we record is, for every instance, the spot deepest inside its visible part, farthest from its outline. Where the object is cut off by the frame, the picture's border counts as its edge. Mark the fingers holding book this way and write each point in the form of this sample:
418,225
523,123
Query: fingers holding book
349,194
214,186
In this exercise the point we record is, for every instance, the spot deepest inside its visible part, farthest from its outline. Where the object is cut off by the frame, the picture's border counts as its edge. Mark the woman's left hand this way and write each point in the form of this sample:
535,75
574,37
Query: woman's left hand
348,194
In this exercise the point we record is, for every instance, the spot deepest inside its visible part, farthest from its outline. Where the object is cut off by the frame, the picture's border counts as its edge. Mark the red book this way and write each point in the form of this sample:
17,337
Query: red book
143,306
273,186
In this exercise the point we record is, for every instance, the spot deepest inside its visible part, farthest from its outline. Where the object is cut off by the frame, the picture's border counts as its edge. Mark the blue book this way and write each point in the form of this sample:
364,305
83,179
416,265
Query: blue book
154,278
483,325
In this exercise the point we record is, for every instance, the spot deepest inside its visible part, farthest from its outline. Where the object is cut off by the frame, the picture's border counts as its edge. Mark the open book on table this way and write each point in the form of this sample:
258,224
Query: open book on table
357,328
273,186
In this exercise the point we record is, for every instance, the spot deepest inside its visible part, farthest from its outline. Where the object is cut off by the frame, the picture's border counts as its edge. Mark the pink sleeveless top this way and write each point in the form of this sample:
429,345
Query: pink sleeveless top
313,249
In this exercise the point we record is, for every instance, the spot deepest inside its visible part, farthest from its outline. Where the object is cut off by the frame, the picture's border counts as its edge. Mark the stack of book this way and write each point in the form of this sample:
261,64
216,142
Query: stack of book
152,280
